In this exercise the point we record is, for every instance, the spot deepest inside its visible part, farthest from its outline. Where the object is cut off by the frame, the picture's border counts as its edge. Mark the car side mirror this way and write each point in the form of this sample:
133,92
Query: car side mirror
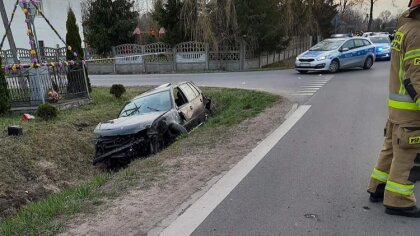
345,49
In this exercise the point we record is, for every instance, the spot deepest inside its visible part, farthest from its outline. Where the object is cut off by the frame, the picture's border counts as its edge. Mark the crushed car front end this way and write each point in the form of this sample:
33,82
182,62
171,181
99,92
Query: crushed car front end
127,137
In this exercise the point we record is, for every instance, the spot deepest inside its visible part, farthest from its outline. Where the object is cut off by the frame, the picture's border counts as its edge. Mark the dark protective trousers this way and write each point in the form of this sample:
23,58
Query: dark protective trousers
398,166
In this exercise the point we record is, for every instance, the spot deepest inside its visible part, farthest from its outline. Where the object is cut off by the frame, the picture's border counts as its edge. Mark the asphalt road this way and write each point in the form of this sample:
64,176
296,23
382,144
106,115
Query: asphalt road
313,182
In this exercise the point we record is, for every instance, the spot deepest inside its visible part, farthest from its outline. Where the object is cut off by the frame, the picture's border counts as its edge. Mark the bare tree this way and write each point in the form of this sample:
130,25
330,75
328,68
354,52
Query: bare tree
385,16
371,4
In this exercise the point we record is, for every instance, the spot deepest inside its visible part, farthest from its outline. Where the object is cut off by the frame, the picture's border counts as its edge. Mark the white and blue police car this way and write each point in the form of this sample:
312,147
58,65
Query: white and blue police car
338,53
383,46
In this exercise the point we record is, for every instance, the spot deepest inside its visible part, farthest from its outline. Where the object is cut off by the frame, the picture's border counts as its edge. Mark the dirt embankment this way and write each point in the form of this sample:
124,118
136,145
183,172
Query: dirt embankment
189,165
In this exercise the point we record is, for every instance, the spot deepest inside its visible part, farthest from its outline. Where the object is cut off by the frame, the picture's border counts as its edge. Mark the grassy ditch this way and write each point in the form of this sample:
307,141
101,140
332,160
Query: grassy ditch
47,173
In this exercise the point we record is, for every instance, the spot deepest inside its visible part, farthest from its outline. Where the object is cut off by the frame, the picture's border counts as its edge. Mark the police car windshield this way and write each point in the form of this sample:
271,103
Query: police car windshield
380,40
327,45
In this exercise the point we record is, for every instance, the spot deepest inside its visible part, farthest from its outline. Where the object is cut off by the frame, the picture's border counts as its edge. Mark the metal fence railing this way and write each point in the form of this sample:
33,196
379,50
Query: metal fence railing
31,86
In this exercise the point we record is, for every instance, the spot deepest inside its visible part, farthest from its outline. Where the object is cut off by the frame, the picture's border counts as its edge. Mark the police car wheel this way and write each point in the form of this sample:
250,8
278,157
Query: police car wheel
334,66
368,63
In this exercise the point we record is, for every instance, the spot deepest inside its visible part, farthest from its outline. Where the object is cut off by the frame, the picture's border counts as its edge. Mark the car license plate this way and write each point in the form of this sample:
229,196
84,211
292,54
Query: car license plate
305,64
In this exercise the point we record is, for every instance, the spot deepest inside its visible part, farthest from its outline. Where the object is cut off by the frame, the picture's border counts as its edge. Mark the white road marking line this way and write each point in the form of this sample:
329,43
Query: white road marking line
307,91
316,83
302,94
312,86
320,80
192,218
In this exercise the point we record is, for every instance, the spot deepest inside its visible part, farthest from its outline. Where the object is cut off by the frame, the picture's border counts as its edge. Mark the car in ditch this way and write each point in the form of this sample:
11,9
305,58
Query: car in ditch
337,53
150,122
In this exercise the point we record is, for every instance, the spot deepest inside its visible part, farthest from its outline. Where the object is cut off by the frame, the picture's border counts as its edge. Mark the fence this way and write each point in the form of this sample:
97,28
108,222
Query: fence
161,57
189,56
46,54
29,87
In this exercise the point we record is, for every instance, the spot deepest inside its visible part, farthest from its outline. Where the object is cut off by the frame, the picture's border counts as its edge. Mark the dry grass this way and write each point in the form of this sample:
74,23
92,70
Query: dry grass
54,155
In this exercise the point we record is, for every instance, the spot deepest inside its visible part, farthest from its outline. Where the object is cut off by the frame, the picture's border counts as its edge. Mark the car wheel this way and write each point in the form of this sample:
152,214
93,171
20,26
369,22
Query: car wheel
368,63
334,66
303,71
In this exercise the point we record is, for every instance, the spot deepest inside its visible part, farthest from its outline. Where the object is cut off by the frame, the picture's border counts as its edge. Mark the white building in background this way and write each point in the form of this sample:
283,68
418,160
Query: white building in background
56,13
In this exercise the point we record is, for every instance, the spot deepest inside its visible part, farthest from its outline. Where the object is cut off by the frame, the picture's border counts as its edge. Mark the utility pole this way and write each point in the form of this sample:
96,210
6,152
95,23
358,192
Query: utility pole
9,34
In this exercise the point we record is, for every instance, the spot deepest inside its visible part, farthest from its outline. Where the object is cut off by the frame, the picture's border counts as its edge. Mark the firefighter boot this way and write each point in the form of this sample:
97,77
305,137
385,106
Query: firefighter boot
378,195
413,212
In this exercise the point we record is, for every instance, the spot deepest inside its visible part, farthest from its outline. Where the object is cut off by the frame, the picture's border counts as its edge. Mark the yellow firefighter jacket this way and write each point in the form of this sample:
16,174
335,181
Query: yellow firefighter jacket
404,85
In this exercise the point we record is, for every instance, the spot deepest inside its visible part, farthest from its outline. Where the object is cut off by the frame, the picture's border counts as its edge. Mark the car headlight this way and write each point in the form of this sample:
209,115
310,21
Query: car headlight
321,58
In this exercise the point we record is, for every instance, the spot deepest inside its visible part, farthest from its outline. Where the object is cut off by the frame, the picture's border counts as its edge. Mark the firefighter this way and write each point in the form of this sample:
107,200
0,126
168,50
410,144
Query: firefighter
398,167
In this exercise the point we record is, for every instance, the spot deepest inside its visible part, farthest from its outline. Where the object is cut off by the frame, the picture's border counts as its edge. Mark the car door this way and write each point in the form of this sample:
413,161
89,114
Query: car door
193,101
360,52
199,106
370,48
346,54
183,107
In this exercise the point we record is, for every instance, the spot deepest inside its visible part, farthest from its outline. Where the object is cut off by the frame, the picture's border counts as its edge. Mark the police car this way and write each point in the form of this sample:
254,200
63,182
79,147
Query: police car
335,54
383,46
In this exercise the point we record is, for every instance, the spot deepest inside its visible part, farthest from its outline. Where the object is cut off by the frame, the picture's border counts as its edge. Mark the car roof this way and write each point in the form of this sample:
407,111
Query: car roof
161,88
348,38
336,39
378,36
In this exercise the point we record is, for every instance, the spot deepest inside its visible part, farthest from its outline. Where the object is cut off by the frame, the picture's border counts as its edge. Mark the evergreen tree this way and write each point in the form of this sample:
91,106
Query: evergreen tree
4,94
109,23
168,16
260,24
73,39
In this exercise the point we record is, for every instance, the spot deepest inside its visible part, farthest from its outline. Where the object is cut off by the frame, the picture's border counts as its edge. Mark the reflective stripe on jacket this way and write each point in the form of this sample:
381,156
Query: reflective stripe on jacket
405,66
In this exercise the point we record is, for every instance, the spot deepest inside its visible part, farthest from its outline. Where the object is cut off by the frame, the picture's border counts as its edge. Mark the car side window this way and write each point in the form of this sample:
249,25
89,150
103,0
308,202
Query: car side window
358,43
367,43
180,98
349,44
189,93
197,93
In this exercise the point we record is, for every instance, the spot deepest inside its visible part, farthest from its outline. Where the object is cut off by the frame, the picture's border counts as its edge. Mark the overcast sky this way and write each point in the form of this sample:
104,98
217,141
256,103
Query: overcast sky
383,5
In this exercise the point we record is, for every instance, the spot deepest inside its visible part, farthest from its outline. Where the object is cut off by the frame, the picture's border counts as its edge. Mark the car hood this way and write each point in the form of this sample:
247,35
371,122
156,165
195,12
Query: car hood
382,45
314,54
127,125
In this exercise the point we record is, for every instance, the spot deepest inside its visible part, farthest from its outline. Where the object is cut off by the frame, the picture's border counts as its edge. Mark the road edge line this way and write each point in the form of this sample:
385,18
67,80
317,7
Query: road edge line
193,217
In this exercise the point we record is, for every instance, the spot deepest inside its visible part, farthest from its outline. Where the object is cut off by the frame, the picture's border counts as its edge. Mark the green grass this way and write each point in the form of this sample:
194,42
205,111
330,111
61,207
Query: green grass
58,153
42,214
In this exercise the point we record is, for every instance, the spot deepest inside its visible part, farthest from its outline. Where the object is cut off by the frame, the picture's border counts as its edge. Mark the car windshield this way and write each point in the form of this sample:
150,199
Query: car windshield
380,40
327,45
153,103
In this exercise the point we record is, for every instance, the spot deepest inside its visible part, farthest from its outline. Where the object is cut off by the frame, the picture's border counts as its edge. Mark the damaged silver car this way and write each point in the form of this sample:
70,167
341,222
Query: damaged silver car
150,122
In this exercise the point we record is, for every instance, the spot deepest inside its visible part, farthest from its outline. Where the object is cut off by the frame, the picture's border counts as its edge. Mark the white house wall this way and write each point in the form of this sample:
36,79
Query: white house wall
55,11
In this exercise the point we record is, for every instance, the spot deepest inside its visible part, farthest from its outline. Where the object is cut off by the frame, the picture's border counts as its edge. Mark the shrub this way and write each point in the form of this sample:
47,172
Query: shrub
117,90
4,94
46,112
